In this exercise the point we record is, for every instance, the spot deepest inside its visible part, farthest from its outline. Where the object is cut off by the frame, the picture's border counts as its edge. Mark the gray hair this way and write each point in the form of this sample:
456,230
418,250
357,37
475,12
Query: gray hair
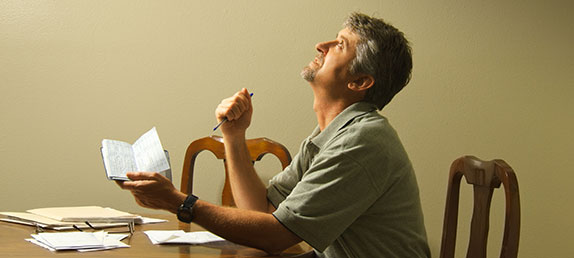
382,52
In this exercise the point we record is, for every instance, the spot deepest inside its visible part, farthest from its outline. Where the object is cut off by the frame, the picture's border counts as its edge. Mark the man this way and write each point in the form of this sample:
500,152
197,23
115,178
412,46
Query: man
350,191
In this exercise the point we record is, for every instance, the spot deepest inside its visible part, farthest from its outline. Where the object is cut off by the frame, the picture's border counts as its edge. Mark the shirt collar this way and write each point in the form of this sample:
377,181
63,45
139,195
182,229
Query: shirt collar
319,138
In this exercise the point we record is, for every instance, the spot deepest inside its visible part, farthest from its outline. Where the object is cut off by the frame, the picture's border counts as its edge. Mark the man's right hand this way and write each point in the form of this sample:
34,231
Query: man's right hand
152,190
238,110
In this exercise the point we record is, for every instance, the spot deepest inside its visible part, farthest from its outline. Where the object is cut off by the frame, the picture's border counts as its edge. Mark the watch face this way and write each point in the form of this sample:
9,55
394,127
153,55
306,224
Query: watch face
184,212
184,215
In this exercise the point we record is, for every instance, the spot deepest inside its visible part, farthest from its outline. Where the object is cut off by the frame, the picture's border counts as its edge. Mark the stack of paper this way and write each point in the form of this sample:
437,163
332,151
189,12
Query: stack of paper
81,241
44,222
63,218
181,237
86,213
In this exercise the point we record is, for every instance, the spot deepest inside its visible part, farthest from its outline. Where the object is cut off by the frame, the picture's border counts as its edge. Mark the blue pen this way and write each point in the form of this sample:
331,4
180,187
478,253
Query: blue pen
225,119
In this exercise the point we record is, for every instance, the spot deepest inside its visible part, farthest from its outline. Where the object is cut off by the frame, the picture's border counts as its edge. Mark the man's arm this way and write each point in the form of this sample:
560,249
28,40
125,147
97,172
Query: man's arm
251,228
248,190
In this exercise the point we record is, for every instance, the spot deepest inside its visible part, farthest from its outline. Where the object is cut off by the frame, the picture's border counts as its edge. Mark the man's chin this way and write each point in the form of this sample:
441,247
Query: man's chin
308,74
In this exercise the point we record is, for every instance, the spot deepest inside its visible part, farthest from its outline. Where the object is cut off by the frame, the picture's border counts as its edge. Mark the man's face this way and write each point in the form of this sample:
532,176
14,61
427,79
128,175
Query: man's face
331,65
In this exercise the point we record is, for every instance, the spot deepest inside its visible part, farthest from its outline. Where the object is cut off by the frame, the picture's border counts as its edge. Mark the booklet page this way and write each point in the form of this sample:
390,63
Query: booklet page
118,158
149,154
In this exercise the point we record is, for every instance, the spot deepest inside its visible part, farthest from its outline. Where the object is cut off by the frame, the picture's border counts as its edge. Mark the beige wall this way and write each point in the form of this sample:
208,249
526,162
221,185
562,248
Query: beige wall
491,78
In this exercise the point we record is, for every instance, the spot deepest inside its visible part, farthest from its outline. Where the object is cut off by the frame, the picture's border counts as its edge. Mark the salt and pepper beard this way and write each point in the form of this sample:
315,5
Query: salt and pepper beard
310,72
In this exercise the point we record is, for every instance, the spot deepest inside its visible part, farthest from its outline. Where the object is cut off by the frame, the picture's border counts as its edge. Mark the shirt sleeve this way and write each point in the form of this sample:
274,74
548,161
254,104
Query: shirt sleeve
281,185
334,191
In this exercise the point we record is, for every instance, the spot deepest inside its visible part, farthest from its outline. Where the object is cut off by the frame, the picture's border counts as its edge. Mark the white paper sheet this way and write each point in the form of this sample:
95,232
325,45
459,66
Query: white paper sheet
181,237
81,241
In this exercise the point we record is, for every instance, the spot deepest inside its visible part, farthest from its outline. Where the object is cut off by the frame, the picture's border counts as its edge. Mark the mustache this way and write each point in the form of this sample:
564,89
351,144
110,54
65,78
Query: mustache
320,58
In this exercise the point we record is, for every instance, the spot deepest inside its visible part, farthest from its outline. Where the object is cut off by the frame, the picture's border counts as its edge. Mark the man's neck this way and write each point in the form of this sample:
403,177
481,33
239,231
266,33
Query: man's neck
328,104
326,111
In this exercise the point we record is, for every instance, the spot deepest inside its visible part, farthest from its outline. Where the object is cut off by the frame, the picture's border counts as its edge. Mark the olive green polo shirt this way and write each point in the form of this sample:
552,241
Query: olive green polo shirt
351,190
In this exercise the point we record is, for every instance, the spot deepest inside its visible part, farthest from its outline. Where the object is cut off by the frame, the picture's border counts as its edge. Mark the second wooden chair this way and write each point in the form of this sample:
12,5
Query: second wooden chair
485,176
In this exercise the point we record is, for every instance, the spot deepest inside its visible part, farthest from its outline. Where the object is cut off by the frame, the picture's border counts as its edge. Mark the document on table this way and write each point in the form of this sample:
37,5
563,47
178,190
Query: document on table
63,218
80,241
181,237
86,213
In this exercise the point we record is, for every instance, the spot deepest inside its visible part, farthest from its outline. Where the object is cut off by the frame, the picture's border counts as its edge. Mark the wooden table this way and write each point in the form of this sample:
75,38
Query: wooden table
12,244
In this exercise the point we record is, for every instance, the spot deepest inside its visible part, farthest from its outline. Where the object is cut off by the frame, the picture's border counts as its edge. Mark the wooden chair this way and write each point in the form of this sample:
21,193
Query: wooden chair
484,176
257,148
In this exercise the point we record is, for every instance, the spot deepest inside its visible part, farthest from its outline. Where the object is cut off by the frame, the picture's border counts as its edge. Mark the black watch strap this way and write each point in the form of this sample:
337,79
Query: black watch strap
185,210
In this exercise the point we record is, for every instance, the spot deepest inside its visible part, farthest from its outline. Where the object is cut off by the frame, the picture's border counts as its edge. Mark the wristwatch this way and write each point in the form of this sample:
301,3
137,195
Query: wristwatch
184,212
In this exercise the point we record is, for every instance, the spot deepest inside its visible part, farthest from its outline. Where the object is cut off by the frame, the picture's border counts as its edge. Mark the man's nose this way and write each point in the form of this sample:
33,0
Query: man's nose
323,47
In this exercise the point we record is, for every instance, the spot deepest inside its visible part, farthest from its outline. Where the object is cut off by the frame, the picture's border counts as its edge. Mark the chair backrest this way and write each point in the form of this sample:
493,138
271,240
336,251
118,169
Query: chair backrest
484,176
257,149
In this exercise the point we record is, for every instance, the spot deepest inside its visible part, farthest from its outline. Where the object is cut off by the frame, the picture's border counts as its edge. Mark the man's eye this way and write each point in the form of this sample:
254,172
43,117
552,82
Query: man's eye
340,45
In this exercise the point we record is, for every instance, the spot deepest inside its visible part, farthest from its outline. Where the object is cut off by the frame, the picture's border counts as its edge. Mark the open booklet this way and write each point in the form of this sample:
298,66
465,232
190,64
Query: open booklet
146,154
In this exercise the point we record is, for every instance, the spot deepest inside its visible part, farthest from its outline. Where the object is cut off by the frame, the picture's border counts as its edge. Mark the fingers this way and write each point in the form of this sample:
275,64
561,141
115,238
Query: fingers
141,181
142,175
234,107
152,190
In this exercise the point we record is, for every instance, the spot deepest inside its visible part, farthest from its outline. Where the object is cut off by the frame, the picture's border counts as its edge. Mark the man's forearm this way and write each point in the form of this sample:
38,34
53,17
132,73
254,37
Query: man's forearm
248,190
251,228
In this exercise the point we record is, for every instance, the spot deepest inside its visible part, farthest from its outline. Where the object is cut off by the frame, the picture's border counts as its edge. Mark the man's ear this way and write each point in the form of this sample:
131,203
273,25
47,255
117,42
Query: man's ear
361,83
